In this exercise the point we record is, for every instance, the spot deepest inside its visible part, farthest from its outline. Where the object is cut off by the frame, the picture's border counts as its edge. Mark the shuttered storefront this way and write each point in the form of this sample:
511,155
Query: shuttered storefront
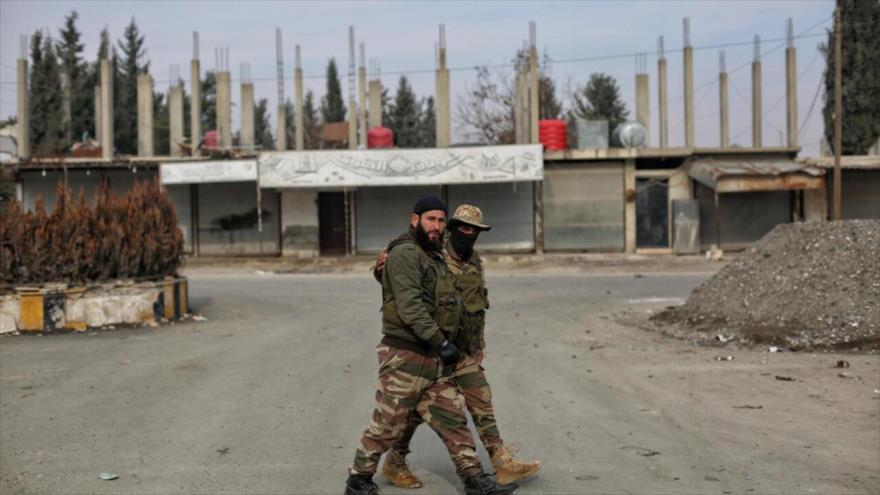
383,213
508,207
583,208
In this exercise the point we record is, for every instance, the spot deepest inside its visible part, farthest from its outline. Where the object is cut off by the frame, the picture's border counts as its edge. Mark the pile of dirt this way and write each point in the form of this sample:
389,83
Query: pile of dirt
802,286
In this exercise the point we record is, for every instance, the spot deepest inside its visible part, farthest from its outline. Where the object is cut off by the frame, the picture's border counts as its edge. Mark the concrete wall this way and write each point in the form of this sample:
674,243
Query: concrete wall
299,222
181,197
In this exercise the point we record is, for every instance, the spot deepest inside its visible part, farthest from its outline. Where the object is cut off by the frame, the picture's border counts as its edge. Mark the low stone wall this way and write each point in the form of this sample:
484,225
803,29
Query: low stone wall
55,307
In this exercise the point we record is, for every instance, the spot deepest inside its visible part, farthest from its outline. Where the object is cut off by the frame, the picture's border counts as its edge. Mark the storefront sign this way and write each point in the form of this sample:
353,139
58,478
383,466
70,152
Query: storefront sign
391,167
205,172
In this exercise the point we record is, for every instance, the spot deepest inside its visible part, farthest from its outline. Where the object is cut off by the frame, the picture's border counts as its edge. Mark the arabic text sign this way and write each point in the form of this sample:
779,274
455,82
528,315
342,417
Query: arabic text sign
205,172
513,163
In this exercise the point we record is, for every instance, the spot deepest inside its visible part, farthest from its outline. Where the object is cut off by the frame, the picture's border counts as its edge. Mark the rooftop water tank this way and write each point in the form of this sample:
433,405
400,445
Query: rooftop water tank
629,135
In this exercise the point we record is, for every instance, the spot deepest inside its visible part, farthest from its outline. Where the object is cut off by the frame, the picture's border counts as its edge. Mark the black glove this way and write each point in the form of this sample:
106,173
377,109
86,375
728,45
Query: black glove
448,353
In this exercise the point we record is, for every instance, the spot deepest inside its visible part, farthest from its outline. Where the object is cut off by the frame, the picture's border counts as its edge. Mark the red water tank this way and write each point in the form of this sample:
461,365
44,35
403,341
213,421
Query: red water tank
380,137
553,134
211,140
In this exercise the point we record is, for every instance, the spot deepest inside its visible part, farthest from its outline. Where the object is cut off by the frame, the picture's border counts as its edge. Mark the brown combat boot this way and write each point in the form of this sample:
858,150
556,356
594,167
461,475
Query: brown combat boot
397,471
508,469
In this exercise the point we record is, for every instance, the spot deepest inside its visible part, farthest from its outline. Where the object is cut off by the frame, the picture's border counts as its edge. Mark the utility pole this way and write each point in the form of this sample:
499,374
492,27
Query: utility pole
838,109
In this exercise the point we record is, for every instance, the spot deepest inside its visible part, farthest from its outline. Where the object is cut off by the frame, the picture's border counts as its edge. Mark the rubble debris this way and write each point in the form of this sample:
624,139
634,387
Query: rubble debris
723,358
803,286
199,318
842,364
748,407
773,348
108,476
785,378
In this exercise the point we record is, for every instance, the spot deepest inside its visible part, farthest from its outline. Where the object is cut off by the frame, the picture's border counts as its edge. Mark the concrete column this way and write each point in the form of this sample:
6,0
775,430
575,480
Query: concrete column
662,100
352,125
106,110
518,120
688,97
725,117
362,101
65,105
441,83
533,96
281,128
298,110
175,119
23,135
195,106
247,116
629,208
442,90
375,115
224,110
99,120
756,104
643,112
145,115
791,96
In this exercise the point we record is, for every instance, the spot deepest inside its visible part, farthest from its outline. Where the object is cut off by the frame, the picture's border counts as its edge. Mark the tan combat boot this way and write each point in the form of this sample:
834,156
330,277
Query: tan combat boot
508,469
397,471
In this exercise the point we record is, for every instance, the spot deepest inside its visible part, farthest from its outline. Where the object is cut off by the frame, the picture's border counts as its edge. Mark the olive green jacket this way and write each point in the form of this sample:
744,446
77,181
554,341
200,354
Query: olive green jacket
418,297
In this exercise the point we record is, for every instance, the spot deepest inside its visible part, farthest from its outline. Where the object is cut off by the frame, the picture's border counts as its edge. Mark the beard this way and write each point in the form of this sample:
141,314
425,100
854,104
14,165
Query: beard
424,240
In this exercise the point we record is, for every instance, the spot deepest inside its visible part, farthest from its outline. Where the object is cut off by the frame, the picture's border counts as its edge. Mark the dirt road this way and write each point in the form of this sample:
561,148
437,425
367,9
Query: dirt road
271,393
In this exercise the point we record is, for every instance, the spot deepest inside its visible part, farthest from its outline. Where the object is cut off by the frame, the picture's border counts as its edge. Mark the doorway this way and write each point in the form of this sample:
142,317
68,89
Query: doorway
331,223
652,213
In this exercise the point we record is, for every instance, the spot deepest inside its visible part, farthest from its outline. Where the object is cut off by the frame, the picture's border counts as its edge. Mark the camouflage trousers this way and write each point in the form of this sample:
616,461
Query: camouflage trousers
472,383
410,383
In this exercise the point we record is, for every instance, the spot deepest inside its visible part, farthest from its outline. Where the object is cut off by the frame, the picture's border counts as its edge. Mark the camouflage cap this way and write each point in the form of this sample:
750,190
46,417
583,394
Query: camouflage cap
470,215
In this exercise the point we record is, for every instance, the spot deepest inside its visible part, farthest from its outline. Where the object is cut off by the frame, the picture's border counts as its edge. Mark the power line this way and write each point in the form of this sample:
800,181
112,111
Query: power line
812,105
551,62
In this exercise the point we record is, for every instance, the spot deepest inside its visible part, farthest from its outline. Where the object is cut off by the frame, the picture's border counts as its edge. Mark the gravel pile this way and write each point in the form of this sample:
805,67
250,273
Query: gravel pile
802,286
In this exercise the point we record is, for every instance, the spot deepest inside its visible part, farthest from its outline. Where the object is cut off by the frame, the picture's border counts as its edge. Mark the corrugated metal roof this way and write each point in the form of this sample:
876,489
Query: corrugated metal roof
711,171
867,162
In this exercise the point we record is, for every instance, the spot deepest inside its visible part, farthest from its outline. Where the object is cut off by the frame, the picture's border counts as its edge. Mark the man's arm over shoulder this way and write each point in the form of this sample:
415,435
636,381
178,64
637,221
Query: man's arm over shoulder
405,275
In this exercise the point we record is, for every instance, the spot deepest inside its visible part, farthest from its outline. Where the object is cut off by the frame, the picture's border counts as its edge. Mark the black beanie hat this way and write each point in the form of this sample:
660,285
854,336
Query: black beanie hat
429,202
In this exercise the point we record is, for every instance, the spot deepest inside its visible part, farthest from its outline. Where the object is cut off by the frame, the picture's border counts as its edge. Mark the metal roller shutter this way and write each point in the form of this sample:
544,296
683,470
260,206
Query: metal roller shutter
508,207
583,208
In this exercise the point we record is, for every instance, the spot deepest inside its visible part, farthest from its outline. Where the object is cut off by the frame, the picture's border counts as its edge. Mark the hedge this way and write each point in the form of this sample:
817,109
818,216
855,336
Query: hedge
130,236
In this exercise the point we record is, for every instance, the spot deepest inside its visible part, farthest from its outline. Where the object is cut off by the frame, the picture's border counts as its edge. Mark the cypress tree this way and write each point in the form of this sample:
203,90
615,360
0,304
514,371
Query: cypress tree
262,129
132,64
81,92
860,85
311,125
332,105
45,99
405,116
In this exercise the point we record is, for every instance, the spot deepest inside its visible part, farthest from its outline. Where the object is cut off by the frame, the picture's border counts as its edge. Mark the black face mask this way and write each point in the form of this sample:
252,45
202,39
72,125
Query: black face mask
463,244
425,241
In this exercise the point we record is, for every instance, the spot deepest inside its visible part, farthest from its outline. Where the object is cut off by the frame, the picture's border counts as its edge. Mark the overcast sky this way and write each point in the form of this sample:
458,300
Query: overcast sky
401,36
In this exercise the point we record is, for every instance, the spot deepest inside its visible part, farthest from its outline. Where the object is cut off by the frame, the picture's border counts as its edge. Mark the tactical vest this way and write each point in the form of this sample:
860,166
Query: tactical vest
475,301
446,308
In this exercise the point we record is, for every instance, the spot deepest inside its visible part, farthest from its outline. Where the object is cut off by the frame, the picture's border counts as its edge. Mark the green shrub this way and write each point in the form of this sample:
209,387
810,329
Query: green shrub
133,236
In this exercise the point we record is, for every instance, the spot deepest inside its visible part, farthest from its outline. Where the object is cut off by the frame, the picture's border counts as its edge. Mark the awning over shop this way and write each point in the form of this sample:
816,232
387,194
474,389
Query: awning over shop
750,175
394,167
208,172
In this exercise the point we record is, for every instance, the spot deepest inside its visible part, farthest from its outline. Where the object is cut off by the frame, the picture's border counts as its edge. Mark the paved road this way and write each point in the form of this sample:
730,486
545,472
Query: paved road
270,396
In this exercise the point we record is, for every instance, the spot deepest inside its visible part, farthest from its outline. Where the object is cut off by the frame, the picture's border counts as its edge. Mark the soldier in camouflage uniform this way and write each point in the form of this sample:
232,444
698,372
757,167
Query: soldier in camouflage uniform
466,267
420,314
